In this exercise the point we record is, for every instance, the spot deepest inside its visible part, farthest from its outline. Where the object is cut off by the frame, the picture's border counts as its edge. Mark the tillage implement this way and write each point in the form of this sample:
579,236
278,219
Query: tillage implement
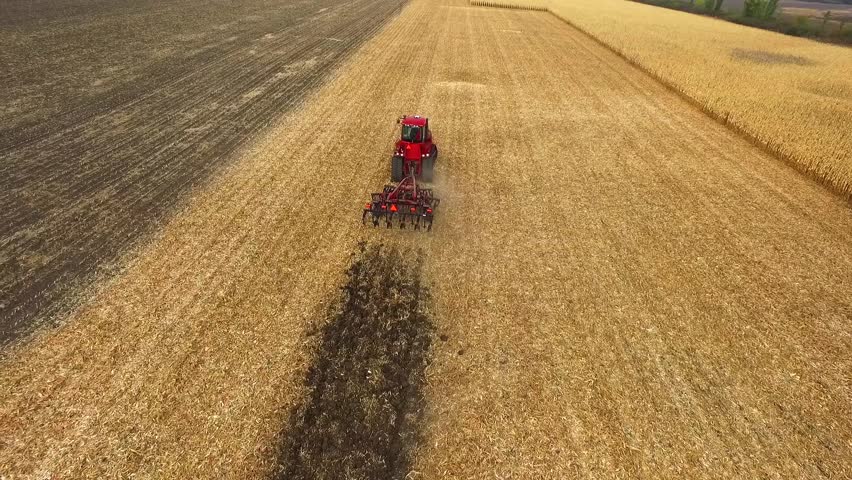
405,202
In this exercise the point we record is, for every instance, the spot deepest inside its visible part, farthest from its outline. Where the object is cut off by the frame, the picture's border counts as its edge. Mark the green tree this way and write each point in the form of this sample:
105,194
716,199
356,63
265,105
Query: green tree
751,7
713,5
771,7
764,9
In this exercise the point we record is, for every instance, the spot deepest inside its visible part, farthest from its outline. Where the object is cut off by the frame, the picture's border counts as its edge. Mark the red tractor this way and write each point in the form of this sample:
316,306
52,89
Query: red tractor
415,149
407,203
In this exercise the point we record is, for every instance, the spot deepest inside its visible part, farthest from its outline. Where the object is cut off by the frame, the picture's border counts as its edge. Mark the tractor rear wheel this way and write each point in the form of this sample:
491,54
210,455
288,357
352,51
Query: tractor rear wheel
428,169
396,168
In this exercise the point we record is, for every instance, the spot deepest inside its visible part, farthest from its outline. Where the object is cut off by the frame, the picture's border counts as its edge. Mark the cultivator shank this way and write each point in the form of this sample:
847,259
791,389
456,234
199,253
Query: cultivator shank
405,203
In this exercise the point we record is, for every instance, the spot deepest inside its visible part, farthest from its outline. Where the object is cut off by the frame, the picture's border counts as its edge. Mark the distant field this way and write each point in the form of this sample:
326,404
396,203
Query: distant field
791,95
819,6
814,15
840,15
737,5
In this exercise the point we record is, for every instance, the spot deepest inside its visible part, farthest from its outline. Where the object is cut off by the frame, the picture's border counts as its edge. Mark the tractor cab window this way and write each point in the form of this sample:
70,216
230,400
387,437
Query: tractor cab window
412,133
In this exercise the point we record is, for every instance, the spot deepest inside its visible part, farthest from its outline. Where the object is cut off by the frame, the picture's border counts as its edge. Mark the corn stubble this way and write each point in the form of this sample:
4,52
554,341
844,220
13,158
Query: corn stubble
790,95
623,287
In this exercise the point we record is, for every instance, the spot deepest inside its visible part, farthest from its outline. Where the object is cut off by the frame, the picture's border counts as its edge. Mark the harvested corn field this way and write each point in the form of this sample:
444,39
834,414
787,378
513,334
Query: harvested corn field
790,95
621,287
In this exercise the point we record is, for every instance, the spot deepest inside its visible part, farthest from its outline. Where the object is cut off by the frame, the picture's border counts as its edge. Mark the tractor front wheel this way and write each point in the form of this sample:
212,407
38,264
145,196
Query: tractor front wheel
396,168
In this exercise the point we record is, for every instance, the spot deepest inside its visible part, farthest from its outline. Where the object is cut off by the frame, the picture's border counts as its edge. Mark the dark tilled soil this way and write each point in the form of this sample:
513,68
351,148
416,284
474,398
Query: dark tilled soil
365,399
110,112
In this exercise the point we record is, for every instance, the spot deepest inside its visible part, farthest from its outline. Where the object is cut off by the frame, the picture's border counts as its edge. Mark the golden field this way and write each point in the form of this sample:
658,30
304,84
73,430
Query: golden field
791,95
621,287
614,305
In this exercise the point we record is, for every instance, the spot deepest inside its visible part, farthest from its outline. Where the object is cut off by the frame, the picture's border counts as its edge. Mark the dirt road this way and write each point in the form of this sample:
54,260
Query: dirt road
112,111
623,288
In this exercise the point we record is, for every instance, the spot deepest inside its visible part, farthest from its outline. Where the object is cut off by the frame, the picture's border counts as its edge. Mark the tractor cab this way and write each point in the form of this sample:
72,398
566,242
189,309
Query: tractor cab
414,149
413,133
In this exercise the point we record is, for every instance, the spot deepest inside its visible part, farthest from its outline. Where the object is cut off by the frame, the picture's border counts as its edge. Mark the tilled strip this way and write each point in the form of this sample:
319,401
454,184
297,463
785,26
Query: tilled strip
365,384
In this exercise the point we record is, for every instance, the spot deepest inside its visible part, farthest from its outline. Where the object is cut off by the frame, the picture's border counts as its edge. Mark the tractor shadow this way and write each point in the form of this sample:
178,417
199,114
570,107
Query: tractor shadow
365,400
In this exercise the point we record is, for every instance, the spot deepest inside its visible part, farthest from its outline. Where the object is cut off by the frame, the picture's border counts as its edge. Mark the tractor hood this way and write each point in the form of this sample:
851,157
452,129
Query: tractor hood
411,151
